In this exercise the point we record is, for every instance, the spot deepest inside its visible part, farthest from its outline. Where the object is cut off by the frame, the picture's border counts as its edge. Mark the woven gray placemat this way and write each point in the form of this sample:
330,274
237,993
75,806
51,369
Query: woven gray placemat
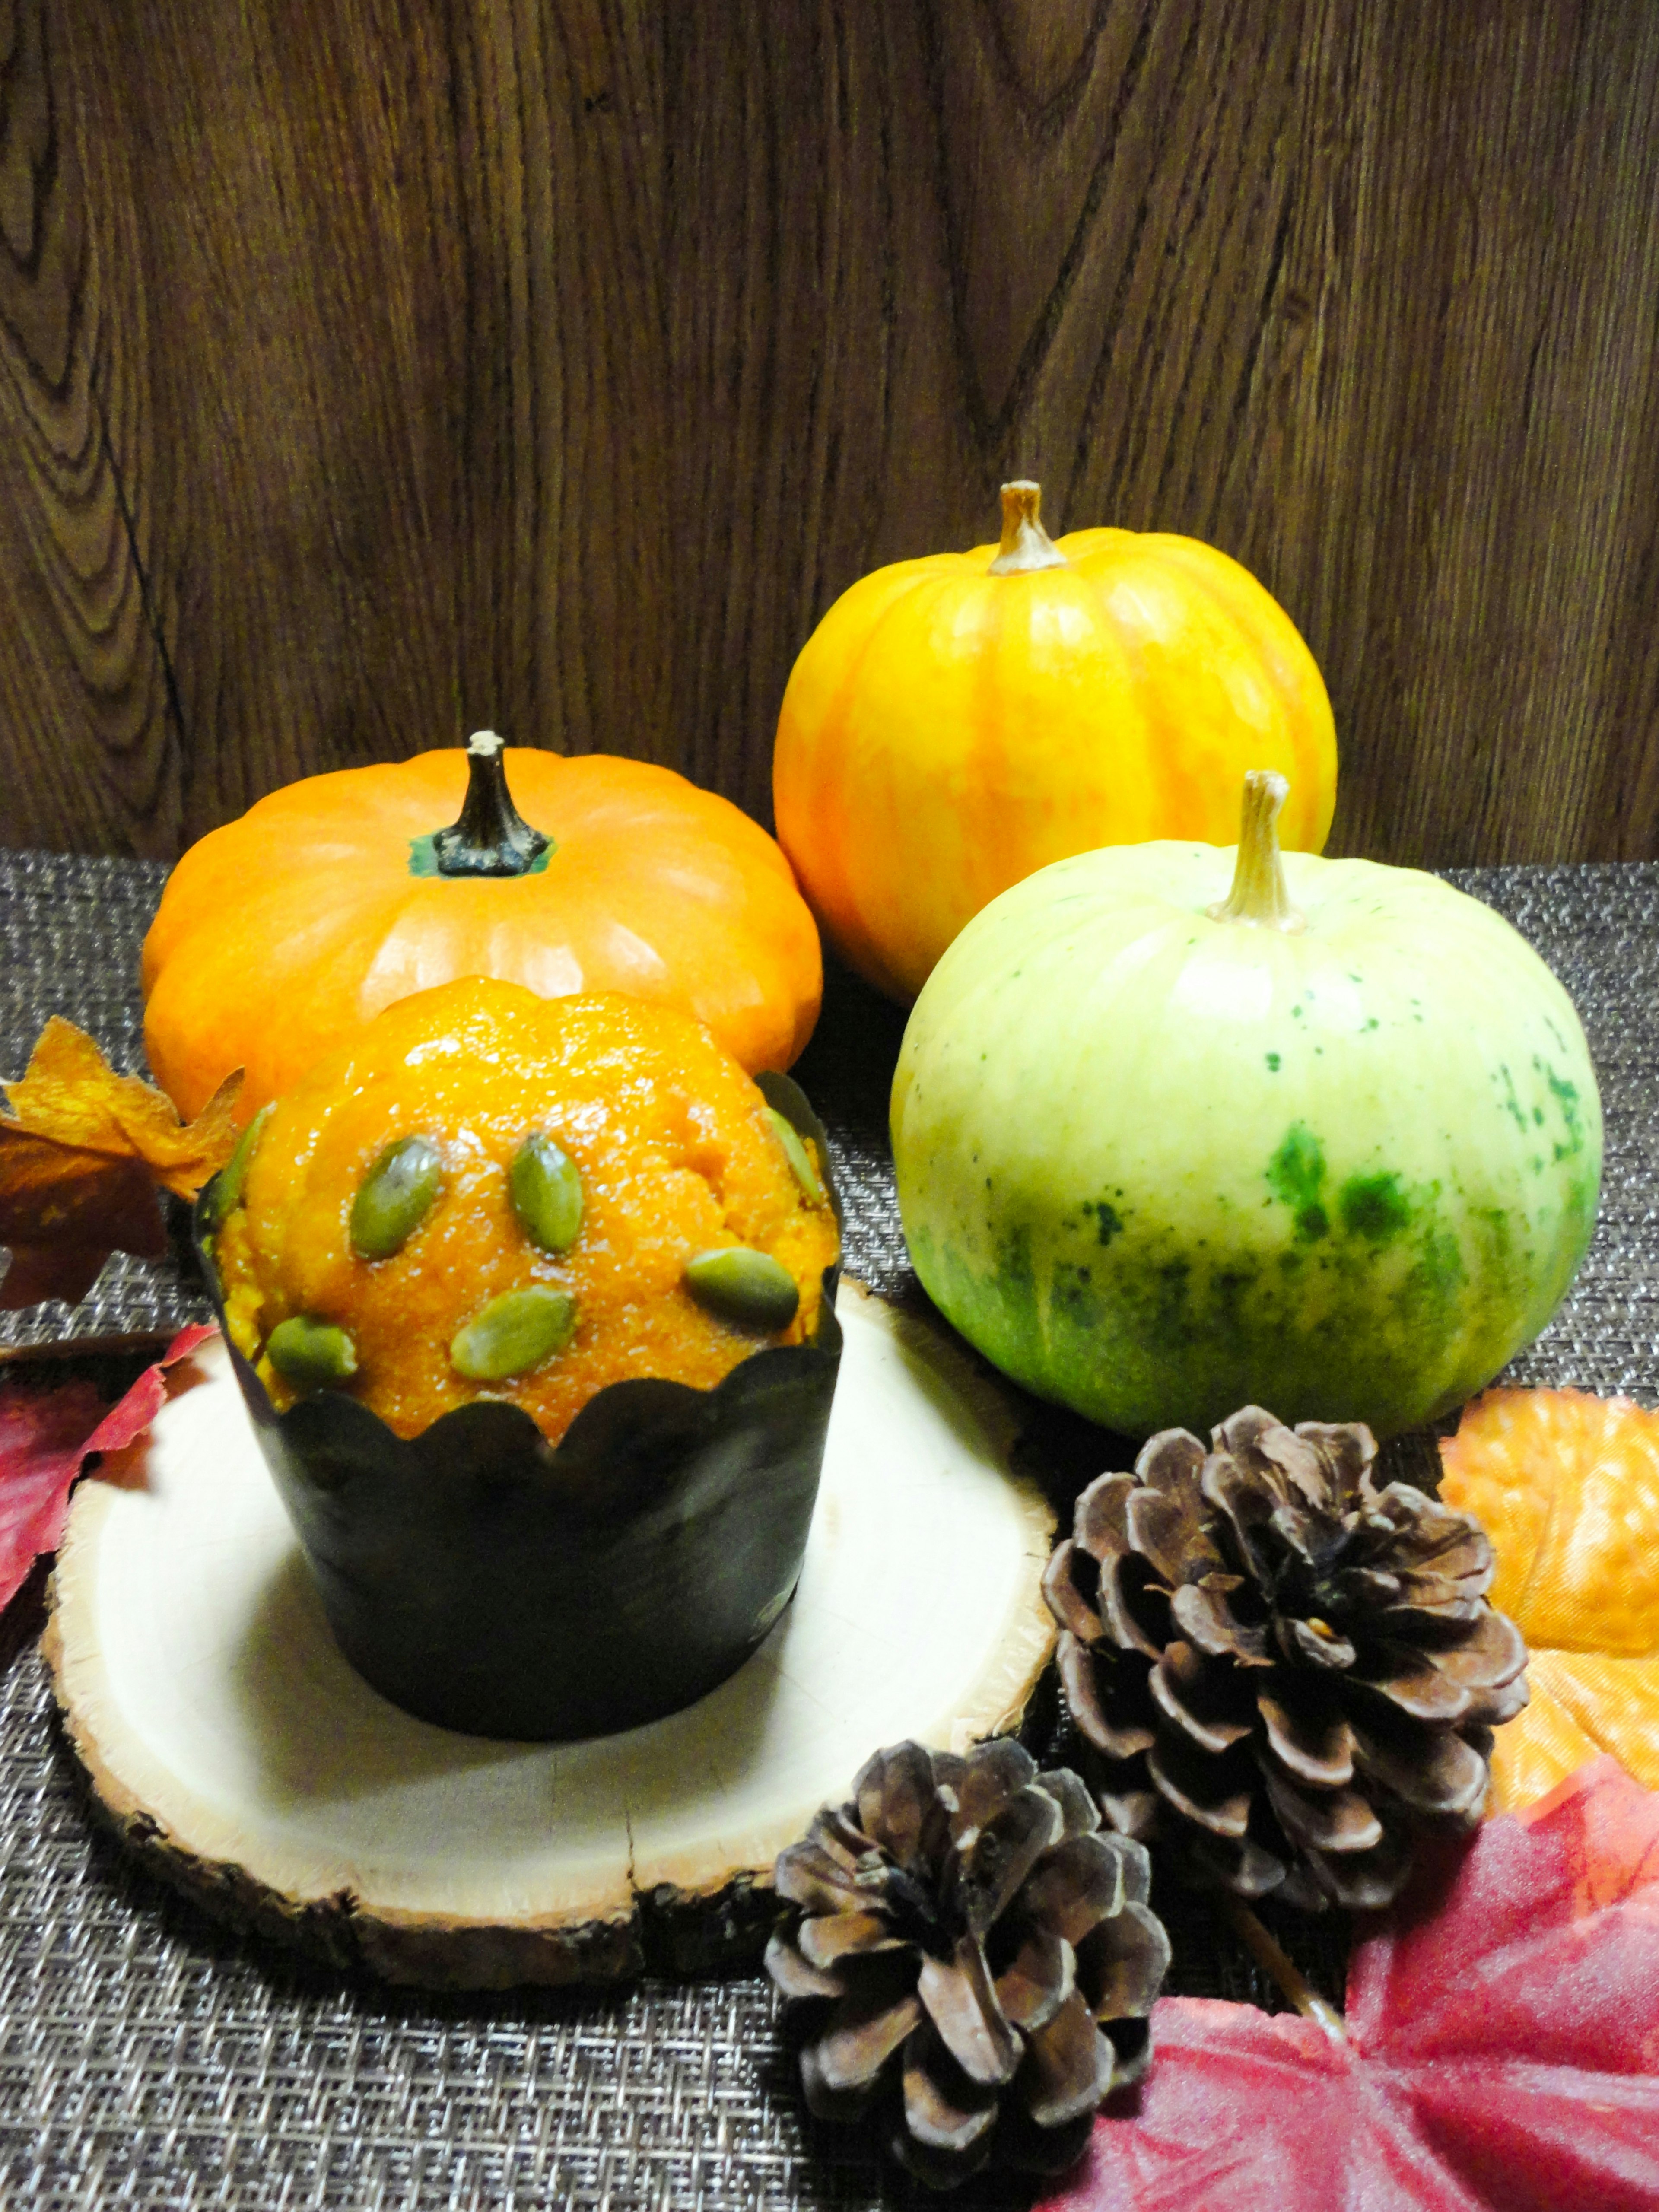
150,2059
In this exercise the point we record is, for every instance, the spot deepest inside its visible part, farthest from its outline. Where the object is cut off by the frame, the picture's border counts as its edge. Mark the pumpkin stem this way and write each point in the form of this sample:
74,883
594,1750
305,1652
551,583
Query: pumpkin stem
1025,544
1288,1978
491,838
1260,894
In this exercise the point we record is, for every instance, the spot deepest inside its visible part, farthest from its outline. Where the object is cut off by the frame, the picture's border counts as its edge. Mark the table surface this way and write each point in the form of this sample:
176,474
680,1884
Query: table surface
151,2058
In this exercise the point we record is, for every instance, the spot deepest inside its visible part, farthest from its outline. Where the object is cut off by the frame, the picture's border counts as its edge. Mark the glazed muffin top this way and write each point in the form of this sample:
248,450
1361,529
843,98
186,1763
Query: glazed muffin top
489,1194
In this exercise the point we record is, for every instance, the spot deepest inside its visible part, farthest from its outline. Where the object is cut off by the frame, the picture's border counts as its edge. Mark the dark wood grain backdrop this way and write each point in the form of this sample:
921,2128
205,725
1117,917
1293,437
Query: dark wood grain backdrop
374,371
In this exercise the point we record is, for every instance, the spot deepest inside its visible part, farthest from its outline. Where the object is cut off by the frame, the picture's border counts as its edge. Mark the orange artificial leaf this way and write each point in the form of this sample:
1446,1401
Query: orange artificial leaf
81,1155
73,1096
1566,1486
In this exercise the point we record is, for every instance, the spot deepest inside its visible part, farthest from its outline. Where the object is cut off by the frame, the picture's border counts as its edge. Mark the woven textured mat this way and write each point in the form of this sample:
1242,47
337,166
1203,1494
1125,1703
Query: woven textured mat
150,2059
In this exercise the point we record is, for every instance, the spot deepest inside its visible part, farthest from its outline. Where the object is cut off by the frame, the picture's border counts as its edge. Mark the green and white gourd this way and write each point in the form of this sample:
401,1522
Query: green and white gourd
1331,1143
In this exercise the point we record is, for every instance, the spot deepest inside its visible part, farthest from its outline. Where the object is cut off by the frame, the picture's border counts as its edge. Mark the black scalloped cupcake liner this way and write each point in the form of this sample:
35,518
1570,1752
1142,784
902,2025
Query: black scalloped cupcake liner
488,1581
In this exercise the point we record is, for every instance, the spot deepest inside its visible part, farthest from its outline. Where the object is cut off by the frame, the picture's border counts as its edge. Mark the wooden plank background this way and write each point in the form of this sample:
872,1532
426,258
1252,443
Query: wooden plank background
372,372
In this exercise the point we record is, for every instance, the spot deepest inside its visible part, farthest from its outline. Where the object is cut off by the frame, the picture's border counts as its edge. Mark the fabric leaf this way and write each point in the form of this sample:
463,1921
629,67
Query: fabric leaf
46,1438
81,1155
1567,1487
1502,2051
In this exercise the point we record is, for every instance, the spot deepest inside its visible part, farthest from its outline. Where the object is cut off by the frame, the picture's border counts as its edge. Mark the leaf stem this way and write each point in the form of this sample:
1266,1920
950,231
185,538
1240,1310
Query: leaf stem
1274,1962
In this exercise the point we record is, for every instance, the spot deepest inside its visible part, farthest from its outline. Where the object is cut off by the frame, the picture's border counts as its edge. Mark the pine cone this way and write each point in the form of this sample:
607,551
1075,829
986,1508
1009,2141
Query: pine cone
971,1926
1281,1669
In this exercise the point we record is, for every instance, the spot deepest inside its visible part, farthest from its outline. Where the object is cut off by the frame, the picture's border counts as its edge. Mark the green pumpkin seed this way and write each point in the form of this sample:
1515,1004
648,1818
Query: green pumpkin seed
226,1193
311,1353
743,1286
546,1190
799,1159
516,1331
396,1196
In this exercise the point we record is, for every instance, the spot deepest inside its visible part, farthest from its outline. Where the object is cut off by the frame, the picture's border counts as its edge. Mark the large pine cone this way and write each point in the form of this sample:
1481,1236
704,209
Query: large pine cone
1282,1669
971,1926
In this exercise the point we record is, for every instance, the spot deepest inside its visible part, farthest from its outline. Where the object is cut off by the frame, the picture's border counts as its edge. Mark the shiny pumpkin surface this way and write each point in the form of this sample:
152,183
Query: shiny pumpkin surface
947,732
674,1147
1566,1486
280,934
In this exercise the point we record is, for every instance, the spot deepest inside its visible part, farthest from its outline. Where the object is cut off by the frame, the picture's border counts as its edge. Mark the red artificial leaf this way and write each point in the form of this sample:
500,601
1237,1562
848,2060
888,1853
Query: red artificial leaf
46,1438
1503,2048
43,1439
81,1153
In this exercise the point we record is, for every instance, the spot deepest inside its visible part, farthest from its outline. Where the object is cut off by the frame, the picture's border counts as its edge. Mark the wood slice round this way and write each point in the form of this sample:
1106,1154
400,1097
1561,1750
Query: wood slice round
228,1740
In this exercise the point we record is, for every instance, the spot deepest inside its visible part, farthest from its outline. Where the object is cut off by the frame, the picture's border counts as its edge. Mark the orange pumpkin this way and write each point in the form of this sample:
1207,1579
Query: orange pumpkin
956,723
1567,1487
280,934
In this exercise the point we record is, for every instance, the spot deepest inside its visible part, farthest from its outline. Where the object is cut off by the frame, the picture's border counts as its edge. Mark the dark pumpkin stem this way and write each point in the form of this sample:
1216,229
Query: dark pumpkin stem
1274,1962
491,838
1025,544
1260,894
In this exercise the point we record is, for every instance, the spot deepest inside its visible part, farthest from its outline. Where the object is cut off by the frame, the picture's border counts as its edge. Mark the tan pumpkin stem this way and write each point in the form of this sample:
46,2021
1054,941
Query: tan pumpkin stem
1288,1978
1260,894
1025,544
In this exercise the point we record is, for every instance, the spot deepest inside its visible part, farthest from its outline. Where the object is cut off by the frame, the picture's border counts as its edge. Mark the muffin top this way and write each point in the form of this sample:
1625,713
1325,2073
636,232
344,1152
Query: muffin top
491,1194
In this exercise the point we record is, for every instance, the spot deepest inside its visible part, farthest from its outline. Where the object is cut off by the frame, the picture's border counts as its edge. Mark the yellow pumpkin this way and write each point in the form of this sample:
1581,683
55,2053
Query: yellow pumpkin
957,722
1567,1487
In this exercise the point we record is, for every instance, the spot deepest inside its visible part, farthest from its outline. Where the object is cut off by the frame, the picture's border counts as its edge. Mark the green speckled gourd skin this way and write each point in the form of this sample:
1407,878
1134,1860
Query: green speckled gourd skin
1158,1167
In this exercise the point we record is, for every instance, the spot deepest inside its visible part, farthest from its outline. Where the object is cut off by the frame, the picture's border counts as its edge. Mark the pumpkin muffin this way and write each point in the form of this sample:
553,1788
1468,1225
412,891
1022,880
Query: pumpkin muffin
490,1195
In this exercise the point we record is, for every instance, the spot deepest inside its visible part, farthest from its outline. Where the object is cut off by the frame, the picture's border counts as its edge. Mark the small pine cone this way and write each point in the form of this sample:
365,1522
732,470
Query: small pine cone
1280,1669
987,1954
